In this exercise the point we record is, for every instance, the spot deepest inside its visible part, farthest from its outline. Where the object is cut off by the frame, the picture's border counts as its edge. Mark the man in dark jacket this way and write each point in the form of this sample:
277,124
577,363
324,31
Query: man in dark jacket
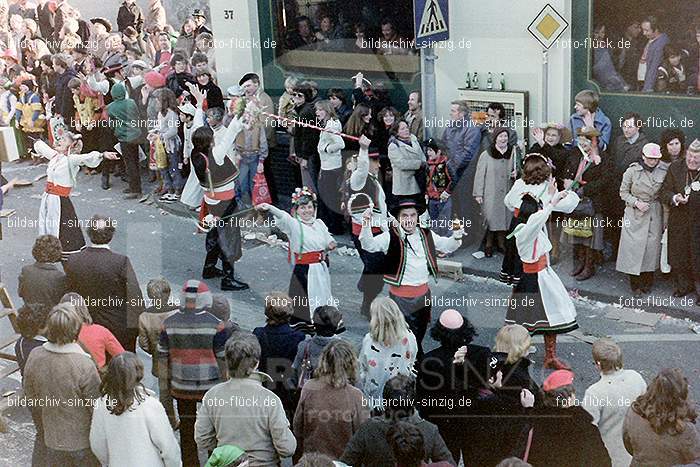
108,283
627,147
45,19
462,138
562,422
130,15
177,80
63,104
369,446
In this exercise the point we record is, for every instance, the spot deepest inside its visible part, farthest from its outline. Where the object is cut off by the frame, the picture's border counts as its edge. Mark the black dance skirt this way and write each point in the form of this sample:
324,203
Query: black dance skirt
527,309
69,233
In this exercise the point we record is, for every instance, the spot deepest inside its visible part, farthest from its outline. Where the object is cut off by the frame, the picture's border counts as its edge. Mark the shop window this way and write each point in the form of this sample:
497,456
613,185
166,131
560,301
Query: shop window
645,46
329,35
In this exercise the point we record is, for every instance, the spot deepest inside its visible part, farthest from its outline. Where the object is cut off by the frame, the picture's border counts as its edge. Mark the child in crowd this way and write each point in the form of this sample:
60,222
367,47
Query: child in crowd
439,188
672,75
31,321
618,385
221,308
165,139
150,323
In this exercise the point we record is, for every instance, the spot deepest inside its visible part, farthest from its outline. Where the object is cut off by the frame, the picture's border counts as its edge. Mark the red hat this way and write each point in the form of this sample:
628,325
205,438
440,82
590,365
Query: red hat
558,379
9,54
154,79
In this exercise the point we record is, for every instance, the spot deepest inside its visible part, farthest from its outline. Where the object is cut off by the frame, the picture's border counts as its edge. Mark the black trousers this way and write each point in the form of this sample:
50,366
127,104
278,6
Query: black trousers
130,154
371,282
187,411
215,253
417,313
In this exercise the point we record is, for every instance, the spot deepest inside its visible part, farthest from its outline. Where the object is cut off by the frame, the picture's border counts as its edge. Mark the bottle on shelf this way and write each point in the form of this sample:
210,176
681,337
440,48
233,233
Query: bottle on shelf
489,82
469,81
503,82
475,81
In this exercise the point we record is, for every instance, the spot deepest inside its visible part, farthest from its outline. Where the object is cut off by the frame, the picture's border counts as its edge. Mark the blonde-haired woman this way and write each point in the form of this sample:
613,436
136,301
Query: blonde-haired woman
510,382
388,349
330,178
331,391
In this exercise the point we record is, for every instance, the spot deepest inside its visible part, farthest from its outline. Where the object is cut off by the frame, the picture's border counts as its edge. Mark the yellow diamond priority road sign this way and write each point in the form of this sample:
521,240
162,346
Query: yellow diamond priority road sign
547,26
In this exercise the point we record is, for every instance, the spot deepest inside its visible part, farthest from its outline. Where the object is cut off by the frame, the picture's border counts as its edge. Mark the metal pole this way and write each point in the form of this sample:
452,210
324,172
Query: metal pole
429,99
545,85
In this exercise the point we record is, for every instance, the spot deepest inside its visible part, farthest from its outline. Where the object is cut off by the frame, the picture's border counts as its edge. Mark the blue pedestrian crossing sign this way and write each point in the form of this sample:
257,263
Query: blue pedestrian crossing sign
431,21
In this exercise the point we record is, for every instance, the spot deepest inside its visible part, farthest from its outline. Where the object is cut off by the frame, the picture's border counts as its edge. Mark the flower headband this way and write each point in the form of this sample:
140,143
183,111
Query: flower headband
301,193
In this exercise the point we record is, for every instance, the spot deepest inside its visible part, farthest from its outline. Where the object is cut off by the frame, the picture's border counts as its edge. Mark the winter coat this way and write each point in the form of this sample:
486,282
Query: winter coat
185,43
566,437
145,435
406,161
63,104
330,145
65,374
492,182
640,241
176,82
654,57
124,116
608,401
379,363
597,181
650,449
41,283
369,447
683,227
252,418
625,153
215,97
327,417
129,15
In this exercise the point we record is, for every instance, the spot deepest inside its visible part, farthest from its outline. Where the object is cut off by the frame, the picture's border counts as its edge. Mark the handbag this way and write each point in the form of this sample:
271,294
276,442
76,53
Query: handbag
161,155
306,367
261,192
581,228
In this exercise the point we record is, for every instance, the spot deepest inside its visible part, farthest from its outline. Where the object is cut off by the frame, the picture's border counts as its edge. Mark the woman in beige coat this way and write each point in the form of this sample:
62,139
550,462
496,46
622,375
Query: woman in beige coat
494,177
643,223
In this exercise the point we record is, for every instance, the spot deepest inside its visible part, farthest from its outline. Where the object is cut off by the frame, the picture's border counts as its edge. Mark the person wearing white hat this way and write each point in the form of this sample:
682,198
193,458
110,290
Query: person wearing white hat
643,222
681,193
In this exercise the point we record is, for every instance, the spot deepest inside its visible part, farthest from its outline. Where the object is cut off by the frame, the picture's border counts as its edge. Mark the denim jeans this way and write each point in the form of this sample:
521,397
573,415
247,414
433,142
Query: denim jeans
440,214
247,170
172,179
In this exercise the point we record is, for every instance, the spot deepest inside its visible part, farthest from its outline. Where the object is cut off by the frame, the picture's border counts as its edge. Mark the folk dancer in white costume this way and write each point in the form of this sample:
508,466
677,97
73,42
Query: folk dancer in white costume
56,213
540,302
309,245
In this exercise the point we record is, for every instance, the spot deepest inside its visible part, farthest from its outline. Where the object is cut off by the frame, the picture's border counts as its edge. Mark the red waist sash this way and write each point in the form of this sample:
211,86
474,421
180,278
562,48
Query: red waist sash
409,291
311,257
534,268
58,190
